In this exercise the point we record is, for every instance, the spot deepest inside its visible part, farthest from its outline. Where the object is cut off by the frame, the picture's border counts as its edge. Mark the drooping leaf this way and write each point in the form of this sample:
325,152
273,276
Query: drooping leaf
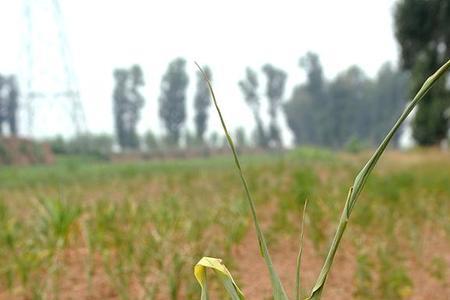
222,272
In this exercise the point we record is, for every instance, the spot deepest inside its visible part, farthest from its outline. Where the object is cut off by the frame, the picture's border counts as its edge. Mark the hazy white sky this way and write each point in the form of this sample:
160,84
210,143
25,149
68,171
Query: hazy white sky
226,35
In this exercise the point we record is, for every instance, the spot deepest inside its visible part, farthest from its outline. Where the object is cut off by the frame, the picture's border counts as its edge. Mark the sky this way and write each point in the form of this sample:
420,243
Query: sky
226,35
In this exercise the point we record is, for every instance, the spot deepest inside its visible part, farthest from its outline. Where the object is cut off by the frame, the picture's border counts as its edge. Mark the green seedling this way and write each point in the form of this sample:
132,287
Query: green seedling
353,195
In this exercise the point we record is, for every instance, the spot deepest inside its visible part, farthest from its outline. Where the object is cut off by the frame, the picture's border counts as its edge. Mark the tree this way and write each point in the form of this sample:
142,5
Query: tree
9,103
350,109
316,81
390,96
202,103
135,103
2,103
422,30
119,108
172,102
351,114
307,112
276,81
127,103
13,104
297,111
249,87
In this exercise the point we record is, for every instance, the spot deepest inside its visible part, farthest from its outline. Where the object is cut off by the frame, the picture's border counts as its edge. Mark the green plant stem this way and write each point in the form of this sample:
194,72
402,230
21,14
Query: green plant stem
278,290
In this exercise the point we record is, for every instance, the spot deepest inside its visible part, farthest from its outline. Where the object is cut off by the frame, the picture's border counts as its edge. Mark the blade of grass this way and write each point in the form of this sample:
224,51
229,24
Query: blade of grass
361,179
299,256
277,286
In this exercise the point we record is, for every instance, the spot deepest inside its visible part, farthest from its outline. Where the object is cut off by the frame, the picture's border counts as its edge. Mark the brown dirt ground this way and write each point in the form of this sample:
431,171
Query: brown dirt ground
251,273
20,151
253,276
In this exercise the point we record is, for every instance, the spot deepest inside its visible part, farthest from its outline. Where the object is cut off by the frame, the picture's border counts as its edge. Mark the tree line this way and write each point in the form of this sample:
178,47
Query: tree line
331,113
350,108
347,109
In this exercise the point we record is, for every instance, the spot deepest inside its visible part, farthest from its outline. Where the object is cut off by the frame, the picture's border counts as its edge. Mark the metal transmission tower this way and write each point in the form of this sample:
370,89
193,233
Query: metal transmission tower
50,82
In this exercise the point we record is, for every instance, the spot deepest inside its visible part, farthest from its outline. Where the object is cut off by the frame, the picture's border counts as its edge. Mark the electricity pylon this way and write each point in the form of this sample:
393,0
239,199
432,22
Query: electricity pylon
49,77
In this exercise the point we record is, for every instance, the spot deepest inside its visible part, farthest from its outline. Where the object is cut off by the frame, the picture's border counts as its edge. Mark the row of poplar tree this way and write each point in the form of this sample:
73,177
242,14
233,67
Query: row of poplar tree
128,101
319,112
350,107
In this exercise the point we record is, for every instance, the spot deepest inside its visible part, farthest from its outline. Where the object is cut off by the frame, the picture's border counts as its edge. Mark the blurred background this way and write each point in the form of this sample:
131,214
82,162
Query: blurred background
319,73
105,119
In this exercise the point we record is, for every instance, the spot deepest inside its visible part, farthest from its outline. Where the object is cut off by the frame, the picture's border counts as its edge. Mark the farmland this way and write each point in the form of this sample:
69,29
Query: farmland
95,230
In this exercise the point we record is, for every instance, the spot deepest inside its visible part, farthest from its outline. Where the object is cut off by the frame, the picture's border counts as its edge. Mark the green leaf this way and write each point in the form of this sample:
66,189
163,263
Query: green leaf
299,256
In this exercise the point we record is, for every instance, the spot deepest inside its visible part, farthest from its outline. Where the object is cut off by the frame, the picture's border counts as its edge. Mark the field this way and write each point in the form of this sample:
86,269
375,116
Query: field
95,230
